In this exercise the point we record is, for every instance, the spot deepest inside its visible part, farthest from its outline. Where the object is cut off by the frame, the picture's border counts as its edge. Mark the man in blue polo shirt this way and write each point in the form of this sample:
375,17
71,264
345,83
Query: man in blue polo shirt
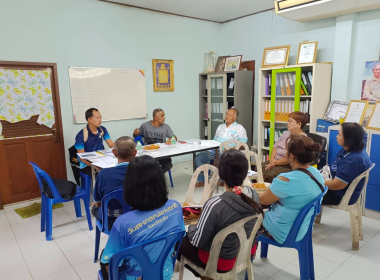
111,179
90,138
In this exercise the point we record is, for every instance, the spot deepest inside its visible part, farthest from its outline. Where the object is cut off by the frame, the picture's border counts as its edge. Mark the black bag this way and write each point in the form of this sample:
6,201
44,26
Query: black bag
74,162
66,189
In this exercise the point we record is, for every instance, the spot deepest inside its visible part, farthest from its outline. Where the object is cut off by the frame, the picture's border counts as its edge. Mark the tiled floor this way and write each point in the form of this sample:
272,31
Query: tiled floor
25,254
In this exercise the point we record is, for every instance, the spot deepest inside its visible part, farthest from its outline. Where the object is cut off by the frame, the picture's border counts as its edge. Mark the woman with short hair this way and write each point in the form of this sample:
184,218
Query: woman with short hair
278,163
350,162
152,215
290,192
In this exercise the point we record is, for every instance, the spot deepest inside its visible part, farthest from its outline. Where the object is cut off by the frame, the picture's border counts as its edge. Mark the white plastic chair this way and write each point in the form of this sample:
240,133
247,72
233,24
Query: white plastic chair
209,187
225,146
243,260
354,209
259,176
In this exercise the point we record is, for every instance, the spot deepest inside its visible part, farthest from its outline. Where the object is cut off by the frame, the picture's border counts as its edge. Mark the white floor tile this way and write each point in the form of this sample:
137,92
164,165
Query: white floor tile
322,267
15,259
363,266
375,239
368,231
80,254
4,224
15,220
333,253
289,272
269,266
3,216
87,270
67,274
21,230
48,266
286,254
6,235
9,247
31,240
40,251
73,240
346,274
16,272
370,251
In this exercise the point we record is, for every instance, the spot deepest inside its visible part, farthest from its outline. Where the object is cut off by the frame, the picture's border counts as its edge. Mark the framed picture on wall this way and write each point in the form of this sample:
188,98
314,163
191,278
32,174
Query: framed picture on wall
371,81
307,52
356,110
233,63
163,75
275,56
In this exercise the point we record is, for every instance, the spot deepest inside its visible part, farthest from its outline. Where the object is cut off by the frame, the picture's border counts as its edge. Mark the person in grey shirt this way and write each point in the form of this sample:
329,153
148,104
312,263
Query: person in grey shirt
157,131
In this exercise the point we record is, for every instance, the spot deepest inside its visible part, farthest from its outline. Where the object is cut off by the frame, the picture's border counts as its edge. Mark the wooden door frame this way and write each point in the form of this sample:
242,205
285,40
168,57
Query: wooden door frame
21,65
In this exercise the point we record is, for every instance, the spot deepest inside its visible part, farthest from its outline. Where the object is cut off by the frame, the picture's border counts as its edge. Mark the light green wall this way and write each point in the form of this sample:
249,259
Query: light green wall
97,34
348,41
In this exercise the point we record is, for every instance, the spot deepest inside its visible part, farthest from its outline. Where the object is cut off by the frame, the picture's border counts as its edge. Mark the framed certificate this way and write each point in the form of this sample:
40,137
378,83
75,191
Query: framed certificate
374,120
335,110
307,52
356,111
163,76
275,56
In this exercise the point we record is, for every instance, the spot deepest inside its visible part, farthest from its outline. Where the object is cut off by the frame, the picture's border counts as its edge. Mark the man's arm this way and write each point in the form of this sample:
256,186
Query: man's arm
110,143
335,184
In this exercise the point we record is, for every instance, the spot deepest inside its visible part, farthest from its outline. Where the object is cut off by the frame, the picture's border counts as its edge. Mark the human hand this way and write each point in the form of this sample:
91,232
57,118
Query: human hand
169,141
270,165
97,168
136,132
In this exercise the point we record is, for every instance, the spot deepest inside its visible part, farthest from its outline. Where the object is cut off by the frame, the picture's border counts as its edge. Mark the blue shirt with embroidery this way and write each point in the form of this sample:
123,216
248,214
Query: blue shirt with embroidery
108,180
137,226
346,167
94,141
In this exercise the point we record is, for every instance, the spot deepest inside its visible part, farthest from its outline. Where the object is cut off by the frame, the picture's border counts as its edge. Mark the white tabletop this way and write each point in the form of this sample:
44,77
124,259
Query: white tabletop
165,151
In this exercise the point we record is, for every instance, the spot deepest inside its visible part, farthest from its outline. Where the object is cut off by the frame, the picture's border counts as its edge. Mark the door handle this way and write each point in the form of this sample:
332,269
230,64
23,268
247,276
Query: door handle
55,135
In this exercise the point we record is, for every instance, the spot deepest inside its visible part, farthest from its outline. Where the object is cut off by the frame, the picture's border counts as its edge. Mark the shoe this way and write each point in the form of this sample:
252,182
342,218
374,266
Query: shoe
199,184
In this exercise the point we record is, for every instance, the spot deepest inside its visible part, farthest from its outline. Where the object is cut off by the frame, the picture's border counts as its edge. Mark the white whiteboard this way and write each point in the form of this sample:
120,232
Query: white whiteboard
117,93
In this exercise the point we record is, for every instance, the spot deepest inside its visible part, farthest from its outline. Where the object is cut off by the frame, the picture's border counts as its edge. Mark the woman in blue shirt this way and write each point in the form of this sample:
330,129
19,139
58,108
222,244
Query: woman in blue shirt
152,215
351,161
290,192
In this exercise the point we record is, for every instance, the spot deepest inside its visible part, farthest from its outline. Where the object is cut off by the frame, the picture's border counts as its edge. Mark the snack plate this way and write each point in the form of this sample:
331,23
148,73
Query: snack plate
260,190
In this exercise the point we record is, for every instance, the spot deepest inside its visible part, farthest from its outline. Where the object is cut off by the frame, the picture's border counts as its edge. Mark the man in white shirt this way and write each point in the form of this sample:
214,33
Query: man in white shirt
230,130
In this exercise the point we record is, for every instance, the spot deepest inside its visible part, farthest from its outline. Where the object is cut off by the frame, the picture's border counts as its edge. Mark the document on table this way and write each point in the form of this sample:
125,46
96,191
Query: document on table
105,162
209,143
90,155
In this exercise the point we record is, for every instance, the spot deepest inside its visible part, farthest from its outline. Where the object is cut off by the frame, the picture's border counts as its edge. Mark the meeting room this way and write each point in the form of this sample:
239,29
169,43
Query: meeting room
182,140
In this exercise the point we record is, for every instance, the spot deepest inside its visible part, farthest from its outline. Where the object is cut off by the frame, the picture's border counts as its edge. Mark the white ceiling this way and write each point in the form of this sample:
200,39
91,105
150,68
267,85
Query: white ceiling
214,10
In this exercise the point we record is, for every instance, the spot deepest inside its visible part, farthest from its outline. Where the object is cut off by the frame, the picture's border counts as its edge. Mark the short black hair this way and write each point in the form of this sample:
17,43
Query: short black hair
353,135
89,113
144,184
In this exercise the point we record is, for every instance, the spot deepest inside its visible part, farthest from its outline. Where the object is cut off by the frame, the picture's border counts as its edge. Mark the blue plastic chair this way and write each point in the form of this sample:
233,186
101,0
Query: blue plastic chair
102,226
139,138
304,246
47,203
150,270
85,183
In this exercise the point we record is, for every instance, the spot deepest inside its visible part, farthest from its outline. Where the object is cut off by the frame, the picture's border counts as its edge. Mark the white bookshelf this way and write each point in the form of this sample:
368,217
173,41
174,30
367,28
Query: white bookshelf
319,99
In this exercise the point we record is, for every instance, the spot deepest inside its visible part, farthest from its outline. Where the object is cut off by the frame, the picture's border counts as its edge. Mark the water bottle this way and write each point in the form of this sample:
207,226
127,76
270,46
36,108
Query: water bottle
138,146
173,140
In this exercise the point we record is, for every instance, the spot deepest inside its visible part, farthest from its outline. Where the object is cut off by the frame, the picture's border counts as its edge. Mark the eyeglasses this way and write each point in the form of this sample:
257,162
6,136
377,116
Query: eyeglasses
291,120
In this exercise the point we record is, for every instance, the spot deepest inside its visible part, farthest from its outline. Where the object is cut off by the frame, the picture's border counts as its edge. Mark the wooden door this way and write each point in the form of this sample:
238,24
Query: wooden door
26,140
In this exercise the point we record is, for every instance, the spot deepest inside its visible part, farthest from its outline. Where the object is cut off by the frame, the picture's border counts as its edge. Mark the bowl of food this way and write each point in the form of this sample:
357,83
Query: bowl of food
152,148
260,187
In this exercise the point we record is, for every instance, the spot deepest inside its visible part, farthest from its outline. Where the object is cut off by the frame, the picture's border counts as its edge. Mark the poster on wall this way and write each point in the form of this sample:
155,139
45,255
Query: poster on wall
371,81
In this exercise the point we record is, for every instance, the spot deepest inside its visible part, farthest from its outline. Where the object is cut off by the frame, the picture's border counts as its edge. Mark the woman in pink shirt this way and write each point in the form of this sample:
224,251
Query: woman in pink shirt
278,163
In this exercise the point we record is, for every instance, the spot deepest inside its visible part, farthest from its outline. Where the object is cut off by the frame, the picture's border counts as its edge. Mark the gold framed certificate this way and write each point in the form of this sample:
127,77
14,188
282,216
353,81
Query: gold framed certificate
307,52
374,120
163,76
275,56
356,110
